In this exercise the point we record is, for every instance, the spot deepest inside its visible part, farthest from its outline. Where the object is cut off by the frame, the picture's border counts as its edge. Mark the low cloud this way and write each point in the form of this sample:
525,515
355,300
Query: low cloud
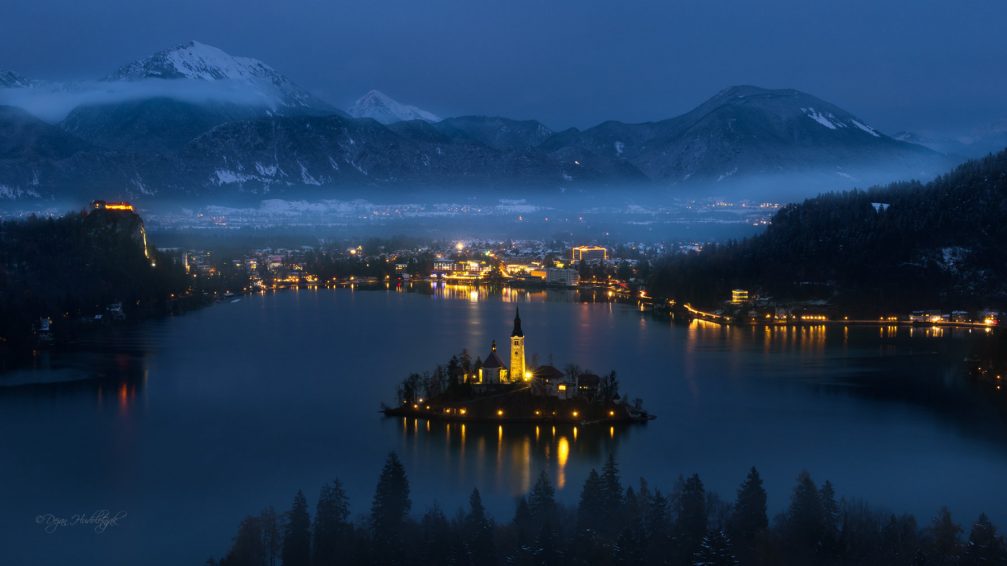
53,101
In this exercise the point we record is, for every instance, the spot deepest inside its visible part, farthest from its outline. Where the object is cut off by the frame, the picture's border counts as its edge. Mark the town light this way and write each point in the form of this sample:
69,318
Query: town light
575,414
499,412
462,411
460,246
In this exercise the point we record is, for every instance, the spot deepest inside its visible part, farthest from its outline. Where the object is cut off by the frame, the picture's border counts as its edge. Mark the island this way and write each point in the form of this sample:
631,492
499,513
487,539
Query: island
487,390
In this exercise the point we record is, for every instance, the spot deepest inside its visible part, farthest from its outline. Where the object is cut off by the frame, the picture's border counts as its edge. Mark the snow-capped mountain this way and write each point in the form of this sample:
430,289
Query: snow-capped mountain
170,146
747,130
10,79
383,108
200,62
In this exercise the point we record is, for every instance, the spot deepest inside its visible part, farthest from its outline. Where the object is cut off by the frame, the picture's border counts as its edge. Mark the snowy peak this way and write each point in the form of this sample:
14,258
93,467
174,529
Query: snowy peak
194,60
10,79
385,109
201,62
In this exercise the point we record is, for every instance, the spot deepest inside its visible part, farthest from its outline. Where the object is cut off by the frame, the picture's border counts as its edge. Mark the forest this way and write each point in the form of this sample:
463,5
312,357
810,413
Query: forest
73,267
901,247
612,524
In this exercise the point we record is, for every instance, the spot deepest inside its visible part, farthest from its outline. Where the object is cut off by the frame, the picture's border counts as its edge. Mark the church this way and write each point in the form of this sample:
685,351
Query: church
493,370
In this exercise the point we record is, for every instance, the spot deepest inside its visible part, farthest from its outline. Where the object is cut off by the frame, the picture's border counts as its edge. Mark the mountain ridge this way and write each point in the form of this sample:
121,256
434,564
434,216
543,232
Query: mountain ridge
164,145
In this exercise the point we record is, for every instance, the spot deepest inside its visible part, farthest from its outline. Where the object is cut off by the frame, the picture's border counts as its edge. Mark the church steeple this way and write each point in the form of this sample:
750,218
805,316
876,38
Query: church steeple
518,370
517,323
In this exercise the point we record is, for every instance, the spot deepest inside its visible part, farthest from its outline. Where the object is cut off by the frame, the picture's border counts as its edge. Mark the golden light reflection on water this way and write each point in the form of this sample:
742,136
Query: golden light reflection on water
506,456
562,456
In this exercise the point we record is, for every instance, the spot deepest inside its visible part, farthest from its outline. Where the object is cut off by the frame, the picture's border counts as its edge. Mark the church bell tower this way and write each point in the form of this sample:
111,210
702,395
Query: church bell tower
517,365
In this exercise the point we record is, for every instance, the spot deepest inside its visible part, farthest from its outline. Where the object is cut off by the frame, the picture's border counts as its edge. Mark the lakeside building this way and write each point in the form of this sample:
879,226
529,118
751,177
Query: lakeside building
739,296
587,253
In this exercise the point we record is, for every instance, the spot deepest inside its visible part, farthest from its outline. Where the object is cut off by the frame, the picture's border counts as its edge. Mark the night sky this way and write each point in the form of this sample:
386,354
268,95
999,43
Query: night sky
922,65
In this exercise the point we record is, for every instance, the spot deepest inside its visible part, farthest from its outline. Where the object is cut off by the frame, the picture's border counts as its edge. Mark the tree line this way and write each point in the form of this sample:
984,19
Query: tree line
895,248
612,524
74,266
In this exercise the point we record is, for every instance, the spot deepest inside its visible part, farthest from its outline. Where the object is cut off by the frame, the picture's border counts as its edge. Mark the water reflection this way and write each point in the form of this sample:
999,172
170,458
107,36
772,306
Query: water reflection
114,375
507,456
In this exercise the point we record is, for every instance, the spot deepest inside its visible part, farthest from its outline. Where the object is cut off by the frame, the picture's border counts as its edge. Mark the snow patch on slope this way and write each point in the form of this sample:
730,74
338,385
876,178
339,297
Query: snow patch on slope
385,109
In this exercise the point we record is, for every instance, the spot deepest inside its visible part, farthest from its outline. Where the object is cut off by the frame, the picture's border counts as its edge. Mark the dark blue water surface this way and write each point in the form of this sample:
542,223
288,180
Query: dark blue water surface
187,424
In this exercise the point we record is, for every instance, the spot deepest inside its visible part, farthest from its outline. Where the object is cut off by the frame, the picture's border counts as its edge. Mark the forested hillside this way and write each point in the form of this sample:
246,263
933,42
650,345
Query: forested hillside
904,246
75,266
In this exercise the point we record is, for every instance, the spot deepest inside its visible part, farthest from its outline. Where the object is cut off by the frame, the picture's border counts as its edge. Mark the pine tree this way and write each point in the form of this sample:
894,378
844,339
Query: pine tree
247,549
547,552
297,534
690,523
899,540
390,509
715,550
332,530
479,532
805,518
629,548
749,518
437,543
542,499
611,485
522,520
984,547
657,518
591,511
272,541
945,543
830,518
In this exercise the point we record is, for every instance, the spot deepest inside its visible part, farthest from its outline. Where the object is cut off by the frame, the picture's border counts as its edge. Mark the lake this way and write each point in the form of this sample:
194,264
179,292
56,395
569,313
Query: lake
187,424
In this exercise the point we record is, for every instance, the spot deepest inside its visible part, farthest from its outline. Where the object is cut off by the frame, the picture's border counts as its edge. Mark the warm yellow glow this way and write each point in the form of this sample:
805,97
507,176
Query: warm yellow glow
500,412
562,451
460,246
462,411
561,387
538,412
611,413
575,414
527,376
415,406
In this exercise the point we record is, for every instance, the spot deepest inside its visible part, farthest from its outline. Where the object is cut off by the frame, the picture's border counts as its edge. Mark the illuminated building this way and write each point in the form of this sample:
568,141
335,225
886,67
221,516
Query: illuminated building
579,253
493,370
562,277
114,206
517,365
739,296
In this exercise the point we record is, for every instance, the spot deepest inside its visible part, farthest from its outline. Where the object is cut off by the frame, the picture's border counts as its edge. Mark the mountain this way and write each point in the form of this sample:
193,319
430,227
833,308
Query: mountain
276,152
154,125
163,140
177,94
196,61
978,142
499,133
10,79
383,108
902,247
747,130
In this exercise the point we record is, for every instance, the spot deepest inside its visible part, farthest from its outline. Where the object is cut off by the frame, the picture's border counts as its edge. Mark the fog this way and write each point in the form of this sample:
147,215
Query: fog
52,102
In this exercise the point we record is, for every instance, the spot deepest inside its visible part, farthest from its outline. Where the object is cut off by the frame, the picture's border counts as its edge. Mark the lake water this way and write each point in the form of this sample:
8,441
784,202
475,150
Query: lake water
190,423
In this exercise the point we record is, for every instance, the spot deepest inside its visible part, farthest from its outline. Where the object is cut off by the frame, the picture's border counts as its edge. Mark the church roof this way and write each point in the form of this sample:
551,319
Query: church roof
548,372
493,361
517,324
